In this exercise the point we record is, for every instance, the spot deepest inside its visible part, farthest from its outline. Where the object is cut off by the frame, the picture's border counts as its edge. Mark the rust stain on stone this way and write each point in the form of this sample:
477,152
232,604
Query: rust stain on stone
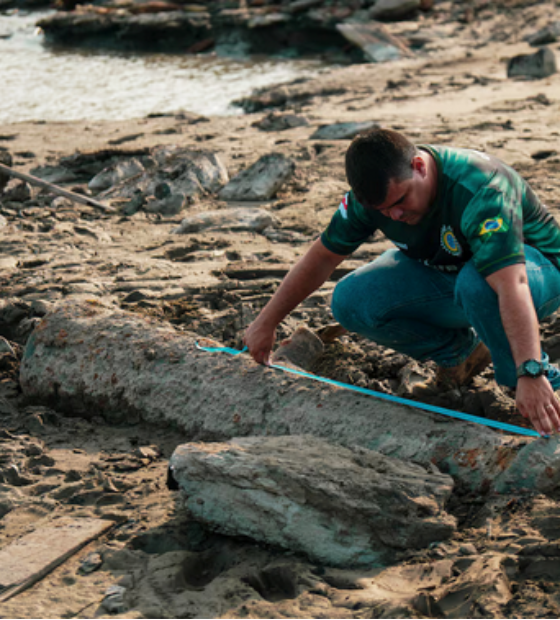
504,456
468,458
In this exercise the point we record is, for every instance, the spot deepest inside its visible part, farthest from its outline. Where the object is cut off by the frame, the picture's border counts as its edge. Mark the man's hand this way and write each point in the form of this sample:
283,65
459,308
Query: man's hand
537,402
307,275
259,339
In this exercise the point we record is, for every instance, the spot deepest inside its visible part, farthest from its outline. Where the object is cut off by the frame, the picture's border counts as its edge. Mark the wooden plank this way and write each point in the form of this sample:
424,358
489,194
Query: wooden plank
27,560
85,200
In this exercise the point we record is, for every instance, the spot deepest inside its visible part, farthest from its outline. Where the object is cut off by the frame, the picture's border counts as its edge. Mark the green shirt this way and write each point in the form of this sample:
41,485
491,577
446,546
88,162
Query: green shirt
483,210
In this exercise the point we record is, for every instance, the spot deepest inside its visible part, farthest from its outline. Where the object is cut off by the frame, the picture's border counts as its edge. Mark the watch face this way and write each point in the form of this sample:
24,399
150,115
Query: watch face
533,368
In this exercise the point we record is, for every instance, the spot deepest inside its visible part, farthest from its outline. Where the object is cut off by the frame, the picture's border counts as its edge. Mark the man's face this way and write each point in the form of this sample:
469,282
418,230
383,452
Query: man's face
409,200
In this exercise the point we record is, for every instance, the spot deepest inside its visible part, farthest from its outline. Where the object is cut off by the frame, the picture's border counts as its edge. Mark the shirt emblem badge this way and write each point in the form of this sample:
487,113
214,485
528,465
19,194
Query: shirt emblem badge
343,207
449,241
491,226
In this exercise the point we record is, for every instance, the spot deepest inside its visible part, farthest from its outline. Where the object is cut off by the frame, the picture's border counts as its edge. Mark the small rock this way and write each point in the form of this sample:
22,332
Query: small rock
34,423
468,549
134,204
342,131
302,349
541,64
139,295
393,9
170,205
116,173
60,202
114,600
280,122
412,375
330,333
16,191
548,34
260,181
12,476
148,452
231,219
33,449
90,563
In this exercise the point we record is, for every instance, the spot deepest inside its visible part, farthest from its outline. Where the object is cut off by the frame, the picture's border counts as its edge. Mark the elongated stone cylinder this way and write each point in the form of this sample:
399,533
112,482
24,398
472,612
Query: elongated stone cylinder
91,360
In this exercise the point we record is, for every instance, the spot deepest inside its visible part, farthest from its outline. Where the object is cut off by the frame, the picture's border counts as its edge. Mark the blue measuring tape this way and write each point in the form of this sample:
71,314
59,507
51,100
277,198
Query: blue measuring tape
510,428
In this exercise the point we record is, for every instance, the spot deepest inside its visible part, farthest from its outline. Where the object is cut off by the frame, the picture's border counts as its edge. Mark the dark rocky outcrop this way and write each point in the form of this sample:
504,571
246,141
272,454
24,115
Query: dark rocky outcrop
308,27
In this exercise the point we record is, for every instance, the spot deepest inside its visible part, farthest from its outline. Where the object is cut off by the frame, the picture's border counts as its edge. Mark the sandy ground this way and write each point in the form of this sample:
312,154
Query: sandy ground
504,560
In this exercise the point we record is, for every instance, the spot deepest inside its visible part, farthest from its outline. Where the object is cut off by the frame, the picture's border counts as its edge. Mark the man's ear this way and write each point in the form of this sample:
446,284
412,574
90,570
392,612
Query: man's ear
419,165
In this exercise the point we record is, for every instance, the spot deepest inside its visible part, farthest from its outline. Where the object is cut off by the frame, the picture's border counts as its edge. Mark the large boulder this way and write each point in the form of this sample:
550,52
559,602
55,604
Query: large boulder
341,507
260,181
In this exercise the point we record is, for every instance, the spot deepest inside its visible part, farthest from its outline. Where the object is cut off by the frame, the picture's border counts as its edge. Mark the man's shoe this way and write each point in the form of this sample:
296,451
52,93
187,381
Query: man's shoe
463,374
456,376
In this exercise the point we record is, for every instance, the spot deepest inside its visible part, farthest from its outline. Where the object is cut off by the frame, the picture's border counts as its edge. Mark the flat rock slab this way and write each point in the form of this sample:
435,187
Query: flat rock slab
375,40
342,131
29,559
260,181
340,507
280,122
91,360
255,220
541,64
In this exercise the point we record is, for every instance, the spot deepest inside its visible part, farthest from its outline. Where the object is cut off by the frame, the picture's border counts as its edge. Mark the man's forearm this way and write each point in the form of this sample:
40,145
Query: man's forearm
305,277
520,323
534,396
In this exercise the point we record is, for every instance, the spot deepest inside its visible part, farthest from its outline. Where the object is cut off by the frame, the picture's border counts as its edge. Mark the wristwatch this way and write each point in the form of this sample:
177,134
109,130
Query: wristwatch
531,368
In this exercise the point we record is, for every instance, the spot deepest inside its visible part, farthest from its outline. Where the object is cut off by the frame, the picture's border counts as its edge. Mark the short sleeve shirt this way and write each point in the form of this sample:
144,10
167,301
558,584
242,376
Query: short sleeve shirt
484,211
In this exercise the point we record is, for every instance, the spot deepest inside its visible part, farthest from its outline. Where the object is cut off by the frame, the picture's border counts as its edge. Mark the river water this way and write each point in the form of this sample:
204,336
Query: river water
42,83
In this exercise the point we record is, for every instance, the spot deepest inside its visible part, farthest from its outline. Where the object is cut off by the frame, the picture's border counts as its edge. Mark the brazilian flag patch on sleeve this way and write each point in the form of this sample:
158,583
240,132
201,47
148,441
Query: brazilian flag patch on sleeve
492,225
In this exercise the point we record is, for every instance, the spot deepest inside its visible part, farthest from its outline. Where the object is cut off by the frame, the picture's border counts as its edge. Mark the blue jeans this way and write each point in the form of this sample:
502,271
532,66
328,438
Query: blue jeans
434,315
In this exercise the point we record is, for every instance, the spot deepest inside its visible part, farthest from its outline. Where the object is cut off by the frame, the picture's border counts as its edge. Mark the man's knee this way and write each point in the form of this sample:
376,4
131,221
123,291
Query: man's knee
341,304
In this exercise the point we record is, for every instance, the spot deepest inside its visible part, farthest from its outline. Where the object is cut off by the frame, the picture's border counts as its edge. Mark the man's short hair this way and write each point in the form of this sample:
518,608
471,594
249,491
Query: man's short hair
374,158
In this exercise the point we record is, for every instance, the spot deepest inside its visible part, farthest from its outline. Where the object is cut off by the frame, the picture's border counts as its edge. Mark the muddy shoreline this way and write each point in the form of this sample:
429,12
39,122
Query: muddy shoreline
503,560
